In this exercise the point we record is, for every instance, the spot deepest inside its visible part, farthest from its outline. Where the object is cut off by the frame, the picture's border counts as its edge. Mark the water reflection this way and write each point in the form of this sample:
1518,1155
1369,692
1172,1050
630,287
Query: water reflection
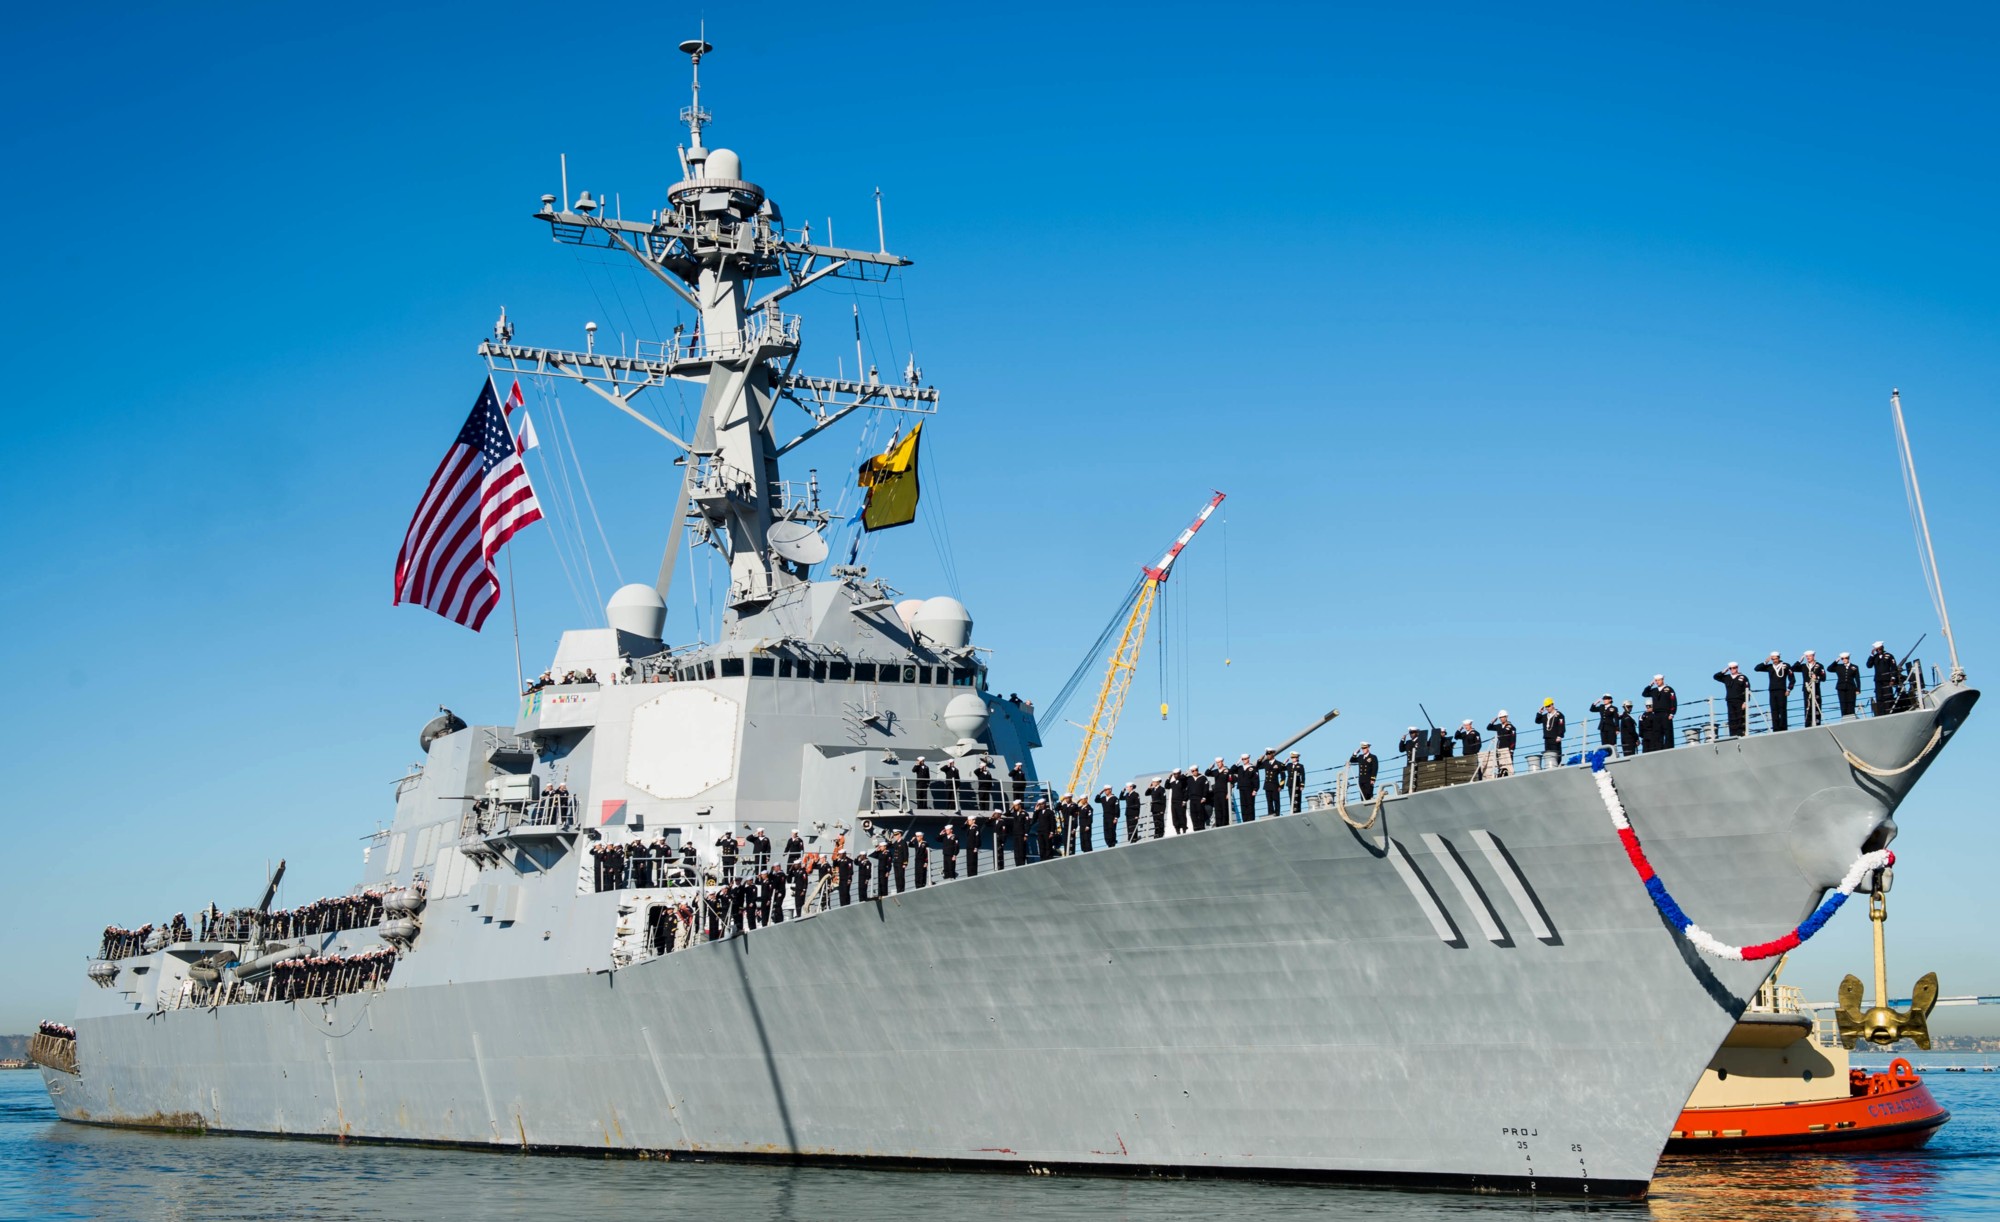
53,1170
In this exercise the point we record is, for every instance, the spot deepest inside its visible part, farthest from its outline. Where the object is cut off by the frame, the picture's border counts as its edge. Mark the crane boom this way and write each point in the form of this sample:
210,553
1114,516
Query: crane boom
1125,662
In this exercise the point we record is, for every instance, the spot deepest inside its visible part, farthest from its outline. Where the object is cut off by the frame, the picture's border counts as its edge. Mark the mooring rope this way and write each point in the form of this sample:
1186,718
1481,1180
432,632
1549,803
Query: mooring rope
1340,803
1937,735
1707,942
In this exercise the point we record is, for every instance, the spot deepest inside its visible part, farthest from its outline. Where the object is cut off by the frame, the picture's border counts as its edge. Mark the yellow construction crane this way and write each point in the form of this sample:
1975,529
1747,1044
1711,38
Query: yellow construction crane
1124,661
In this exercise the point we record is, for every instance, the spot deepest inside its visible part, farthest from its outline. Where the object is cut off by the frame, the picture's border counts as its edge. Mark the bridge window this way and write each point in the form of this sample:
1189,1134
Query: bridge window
961,677
890,672
924,674
839,672
731,668
864,672
785,669
763,668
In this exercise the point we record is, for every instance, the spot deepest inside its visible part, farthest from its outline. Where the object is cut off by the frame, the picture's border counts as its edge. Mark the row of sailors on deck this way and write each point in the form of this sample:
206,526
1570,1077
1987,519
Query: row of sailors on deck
121,943
749,889
637,863
757,896
1203,791
557,805
328,975
328,914
951,790
1199,796
640,863
1619,731
748,903
1194,798
58,1031
548,679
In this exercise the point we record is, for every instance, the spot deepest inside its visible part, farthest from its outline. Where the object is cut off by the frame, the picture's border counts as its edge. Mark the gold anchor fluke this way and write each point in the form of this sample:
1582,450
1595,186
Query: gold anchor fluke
1880,1024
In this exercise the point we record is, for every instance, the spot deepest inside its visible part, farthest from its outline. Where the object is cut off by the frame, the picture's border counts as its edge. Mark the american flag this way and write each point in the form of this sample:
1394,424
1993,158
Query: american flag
477,500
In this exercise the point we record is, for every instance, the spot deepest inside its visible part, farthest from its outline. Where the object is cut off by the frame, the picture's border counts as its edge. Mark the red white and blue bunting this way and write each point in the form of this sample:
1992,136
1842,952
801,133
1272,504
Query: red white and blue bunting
1694,933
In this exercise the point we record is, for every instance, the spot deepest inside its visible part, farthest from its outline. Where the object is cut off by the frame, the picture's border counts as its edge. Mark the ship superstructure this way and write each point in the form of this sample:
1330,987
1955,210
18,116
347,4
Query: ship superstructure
1463,986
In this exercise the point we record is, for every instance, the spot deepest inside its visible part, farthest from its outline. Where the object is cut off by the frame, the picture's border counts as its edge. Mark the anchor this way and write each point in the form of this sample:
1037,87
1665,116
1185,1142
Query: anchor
1880,1024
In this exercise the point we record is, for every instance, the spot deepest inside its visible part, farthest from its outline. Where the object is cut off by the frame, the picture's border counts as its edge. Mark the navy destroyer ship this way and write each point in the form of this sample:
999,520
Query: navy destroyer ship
1456,984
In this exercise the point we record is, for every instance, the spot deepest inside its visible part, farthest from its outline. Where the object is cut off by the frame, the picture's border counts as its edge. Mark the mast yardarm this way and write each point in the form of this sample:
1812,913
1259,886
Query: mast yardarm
718,237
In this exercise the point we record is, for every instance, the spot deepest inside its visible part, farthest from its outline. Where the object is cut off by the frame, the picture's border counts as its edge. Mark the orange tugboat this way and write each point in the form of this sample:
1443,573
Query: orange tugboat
1781,1082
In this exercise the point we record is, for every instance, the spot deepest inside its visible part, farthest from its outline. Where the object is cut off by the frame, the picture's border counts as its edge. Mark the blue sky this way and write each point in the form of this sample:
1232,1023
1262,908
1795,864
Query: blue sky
1537,349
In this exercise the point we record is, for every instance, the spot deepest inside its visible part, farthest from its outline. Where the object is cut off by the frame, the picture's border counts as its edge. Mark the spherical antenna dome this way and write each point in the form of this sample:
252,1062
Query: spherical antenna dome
944,621
637,609
966,715
724,163
446,722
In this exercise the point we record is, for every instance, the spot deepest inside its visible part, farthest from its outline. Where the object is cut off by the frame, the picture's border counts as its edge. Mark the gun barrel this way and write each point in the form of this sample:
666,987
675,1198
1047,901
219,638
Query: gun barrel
1289,743
271,891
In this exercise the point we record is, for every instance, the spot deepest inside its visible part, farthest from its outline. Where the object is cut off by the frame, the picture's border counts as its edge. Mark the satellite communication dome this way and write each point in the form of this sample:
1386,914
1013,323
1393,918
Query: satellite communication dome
966,715
446,722
639,610
724,163
906,611
944,621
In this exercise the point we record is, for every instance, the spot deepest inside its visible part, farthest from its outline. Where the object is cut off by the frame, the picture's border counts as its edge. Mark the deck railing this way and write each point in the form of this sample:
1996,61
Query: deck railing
1700,719
702,912
941,796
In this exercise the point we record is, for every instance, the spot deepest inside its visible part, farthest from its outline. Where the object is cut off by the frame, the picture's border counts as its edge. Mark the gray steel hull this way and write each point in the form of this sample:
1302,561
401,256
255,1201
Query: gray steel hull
1269,999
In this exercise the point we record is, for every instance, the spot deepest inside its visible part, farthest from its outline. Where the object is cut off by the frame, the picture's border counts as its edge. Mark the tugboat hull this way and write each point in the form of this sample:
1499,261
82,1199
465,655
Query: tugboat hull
1889,1110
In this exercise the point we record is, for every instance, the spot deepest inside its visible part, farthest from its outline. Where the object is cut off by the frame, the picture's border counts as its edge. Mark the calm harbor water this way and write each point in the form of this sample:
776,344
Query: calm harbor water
52,1170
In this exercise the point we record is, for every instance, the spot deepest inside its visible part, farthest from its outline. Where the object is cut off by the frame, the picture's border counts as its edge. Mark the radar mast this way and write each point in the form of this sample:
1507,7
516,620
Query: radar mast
716,239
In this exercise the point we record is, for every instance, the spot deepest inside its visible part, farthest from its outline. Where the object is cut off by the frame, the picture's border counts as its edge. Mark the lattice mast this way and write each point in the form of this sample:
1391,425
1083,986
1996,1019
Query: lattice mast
1125,662
717,237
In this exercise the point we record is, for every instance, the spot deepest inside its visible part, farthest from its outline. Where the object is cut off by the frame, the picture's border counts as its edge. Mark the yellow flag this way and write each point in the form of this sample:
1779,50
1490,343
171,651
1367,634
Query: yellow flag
891,480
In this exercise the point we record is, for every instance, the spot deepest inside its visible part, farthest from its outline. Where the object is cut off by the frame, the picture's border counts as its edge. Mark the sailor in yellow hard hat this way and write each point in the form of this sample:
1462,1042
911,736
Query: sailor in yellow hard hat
1553,725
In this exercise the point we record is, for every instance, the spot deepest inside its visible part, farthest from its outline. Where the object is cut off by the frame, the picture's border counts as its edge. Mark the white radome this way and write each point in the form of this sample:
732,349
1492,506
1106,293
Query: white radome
943,621
637,609
724,163
966,715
